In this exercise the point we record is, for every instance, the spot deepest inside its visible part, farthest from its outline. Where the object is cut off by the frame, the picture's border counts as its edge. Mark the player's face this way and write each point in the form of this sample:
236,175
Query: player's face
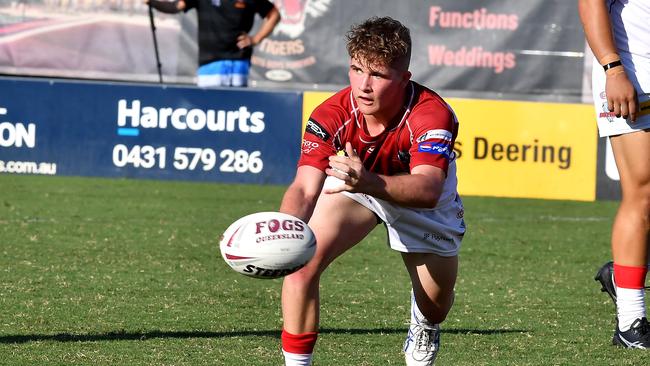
378,90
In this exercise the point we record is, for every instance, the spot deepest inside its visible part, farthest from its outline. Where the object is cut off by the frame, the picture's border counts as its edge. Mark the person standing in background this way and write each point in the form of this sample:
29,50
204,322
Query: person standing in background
618,33
225,45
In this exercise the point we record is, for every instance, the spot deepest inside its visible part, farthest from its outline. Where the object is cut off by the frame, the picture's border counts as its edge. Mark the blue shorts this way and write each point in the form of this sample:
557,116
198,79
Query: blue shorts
223,73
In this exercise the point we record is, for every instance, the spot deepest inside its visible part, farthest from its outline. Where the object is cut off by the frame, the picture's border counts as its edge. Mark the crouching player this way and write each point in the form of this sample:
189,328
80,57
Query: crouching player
378,151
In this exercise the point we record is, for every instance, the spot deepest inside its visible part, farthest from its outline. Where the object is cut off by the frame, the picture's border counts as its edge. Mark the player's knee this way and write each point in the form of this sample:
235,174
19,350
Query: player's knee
638,200
437,314
643,202
304,277
436,311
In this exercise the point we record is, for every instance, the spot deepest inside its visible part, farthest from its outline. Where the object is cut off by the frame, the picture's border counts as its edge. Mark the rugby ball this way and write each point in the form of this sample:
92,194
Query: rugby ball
267,245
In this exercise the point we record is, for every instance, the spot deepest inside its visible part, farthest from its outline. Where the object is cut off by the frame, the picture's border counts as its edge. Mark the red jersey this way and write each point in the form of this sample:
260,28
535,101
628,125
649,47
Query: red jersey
423,133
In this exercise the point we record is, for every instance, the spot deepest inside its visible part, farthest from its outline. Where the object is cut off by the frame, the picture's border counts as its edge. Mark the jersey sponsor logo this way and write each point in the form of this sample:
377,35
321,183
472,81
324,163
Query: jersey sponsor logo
434,148
309,146
315,129
435,134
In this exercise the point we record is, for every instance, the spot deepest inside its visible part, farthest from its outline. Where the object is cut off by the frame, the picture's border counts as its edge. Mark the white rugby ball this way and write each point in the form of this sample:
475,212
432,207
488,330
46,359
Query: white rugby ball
267,245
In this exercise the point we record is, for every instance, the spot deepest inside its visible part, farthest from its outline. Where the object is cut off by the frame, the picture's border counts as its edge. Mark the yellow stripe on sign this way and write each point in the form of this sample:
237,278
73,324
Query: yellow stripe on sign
526,149
311,100
519,149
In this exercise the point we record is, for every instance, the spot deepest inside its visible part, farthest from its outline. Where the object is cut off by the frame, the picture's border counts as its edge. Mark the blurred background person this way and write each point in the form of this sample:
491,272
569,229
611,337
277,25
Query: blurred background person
225,45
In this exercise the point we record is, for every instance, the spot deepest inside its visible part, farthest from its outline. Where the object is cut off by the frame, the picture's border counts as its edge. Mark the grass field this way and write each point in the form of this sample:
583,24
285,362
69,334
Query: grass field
127,272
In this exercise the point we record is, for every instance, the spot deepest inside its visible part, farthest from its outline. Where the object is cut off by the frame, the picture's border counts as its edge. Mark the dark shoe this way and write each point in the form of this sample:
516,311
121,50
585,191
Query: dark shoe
638,336
605,276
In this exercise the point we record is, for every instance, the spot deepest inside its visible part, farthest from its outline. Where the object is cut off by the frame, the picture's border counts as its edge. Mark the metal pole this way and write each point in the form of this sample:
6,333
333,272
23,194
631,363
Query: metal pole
155,43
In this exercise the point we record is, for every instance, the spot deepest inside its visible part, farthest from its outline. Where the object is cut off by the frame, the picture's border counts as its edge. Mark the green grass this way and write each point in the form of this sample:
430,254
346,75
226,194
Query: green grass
127,272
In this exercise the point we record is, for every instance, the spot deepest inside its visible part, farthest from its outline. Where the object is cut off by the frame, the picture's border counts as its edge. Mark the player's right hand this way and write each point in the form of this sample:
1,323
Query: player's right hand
350,170
621,96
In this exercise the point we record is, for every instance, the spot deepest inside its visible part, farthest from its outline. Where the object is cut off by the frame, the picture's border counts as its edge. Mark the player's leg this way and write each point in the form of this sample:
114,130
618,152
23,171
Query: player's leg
433,278
630,238
338,223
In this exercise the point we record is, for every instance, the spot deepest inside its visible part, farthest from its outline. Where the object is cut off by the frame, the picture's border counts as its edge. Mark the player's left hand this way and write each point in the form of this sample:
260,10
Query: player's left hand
351,171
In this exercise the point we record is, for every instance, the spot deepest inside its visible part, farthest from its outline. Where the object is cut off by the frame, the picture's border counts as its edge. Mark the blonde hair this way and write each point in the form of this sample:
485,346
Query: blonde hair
380,41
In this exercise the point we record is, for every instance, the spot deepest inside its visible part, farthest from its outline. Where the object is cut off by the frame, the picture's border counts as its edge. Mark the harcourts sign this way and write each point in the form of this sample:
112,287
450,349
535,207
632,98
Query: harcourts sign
147,131
132,115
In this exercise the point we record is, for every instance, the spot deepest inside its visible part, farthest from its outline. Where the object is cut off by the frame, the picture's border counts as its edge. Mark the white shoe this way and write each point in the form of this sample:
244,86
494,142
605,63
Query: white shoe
421,345
422,341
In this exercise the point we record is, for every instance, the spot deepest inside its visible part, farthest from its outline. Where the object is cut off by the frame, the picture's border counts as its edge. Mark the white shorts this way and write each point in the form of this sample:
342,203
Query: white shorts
608,123
439,230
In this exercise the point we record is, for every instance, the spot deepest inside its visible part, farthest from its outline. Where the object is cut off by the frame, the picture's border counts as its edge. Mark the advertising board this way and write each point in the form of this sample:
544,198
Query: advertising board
140,131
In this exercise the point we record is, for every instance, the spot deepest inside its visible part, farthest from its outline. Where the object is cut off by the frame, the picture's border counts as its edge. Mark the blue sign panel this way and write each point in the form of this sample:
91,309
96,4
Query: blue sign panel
149,131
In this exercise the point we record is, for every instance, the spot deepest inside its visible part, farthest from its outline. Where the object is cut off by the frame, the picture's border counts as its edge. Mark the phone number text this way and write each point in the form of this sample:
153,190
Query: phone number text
188,158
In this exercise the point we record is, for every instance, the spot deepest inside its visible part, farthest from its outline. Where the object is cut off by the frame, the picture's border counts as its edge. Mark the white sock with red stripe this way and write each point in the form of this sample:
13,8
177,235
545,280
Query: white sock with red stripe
630,294
298,348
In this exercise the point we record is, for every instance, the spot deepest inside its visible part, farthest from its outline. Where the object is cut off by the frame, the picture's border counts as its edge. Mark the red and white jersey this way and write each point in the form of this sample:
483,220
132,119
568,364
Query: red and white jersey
423,133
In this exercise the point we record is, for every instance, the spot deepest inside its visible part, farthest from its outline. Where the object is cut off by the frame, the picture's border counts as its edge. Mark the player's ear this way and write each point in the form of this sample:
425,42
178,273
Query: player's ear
406,76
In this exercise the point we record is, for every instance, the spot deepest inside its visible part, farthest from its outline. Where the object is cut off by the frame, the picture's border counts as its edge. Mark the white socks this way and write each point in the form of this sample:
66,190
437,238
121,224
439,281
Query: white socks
294,359
630,306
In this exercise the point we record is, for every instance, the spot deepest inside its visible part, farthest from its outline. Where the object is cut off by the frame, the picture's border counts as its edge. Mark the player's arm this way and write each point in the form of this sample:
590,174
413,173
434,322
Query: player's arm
268,24
621,96
300,198
421,188
169,7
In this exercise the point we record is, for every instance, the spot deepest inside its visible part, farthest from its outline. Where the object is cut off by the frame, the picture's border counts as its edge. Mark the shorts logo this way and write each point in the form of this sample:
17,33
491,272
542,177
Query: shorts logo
606,113
435,134
315,129
436,237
